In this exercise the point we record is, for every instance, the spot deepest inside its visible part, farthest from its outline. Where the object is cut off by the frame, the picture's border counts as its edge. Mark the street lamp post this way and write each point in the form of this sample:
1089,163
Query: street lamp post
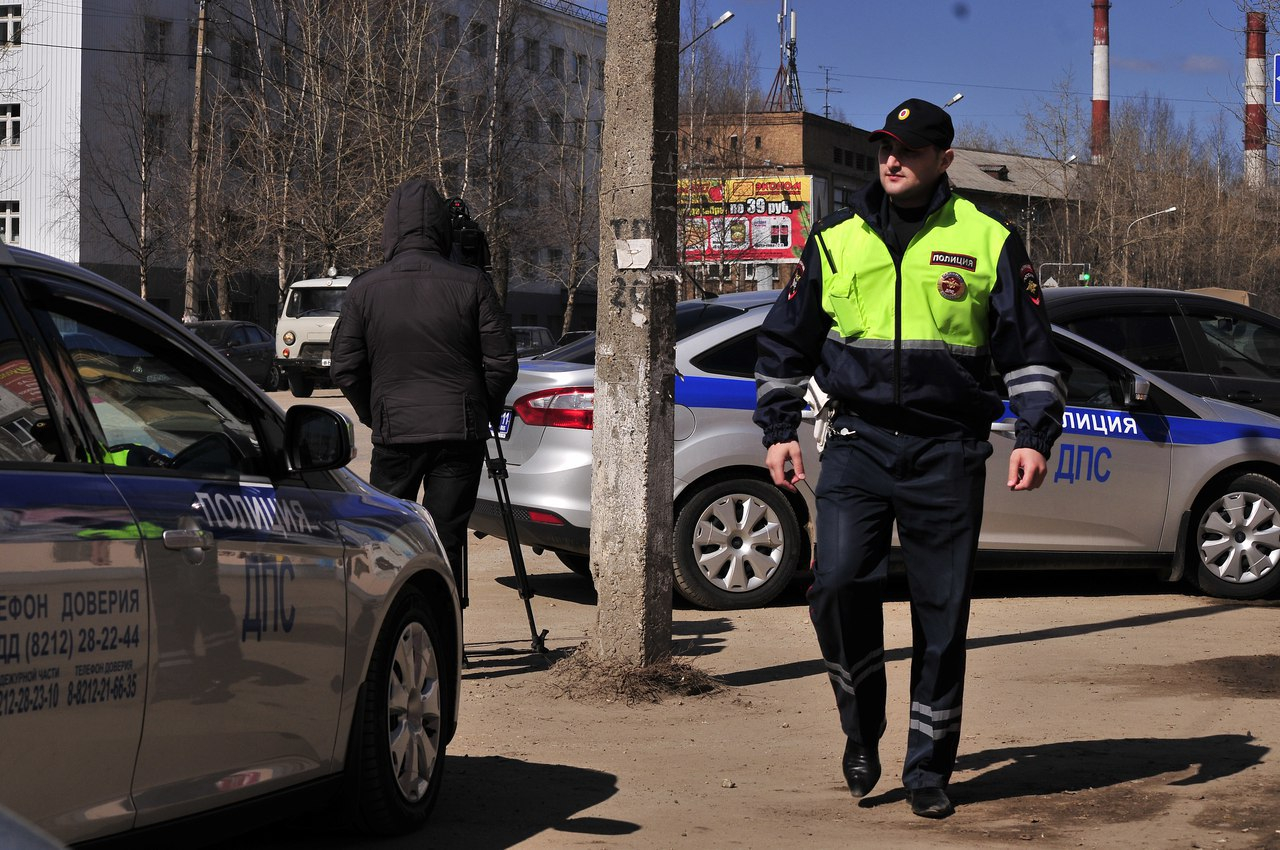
723,19
1126,237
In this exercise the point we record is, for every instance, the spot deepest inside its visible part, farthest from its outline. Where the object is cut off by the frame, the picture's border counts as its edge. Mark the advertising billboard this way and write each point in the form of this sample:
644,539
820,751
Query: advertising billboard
745,219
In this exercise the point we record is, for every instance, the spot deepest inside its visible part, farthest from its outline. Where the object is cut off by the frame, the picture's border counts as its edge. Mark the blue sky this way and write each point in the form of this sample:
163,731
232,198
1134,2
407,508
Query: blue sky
1004,55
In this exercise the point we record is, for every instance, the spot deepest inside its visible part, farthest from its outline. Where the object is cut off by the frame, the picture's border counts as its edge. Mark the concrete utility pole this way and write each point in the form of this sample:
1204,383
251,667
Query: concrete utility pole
193,190
632,445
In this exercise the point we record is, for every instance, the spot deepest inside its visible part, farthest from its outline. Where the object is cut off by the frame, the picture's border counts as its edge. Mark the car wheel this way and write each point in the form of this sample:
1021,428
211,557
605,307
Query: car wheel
579,563
397,767
737,545
1234,552
272,382
301,386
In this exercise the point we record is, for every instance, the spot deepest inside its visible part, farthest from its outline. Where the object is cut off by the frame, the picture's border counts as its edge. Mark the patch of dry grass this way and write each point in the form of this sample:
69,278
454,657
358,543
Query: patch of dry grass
579,675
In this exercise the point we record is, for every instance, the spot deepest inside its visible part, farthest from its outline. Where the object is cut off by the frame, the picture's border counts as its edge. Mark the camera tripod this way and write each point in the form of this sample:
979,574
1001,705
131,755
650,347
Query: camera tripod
496,465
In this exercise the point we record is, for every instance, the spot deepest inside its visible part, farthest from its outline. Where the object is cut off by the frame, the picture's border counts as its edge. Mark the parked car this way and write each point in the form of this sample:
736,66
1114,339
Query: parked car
1207,345
532,339
1145,474
203,609
248,346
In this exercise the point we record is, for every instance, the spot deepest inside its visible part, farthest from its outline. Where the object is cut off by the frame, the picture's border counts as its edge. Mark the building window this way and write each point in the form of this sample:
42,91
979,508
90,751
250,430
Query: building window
839,156
532,54
556,124
600,74
11,24
597,132
757,143
477,40
531,125
153,136
9,222
10,124
155,39
450,30
240,60
555,260
733,142
581,69
555,63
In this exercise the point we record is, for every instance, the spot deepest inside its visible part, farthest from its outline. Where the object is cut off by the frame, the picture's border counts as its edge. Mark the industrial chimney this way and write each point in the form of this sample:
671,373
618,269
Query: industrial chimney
1101,136
1255,90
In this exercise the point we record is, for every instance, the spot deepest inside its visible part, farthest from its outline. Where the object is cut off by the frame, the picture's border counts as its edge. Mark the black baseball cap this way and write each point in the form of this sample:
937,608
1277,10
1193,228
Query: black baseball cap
917,124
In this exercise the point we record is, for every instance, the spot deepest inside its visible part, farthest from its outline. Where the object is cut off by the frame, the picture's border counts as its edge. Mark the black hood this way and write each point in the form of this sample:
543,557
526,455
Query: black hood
416,217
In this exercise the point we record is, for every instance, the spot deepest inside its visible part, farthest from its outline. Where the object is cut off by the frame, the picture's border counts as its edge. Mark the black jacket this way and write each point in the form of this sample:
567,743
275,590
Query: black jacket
422,349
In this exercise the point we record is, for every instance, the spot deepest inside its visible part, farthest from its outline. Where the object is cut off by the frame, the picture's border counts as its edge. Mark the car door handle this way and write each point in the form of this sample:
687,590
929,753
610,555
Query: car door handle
1244,397
187,538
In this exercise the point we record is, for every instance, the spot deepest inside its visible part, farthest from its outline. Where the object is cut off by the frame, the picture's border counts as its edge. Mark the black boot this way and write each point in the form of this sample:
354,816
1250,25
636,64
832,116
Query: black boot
930,802
861,768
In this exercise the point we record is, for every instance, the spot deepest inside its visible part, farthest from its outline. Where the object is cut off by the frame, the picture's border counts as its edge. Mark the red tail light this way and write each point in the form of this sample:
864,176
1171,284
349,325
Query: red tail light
566,407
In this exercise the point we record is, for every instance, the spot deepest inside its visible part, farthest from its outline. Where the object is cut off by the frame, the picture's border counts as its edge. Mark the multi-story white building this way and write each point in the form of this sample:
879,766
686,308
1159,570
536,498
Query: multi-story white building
96,104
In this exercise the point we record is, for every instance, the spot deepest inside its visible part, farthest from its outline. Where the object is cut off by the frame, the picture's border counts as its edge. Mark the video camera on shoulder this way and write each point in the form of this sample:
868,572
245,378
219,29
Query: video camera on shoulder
470,247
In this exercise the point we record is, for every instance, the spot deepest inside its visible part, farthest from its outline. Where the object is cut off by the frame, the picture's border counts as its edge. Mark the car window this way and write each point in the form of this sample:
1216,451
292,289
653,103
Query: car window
1091,384
240,335
1239,346
257,334
735,358
156,407
26,431
1148,339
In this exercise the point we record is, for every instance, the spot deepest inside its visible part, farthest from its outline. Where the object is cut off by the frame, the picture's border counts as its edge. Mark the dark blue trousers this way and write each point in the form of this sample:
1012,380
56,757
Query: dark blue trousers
933,489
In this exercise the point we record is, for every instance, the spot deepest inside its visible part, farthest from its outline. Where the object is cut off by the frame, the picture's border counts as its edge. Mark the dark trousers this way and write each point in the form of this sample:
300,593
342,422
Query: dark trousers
448,472
934,490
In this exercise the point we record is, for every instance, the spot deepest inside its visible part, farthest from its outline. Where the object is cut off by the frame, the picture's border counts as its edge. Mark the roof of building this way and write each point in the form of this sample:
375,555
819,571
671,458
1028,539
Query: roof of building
999,173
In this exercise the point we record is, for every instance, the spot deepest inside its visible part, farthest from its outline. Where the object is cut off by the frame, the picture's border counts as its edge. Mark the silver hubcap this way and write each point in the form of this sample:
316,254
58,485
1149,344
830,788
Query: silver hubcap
413,712
1239,538
737,542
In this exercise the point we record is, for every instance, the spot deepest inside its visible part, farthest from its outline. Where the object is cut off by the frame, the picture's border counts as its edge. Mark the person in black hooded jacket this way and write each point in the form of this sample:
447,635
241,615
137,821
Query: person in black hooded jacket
425,354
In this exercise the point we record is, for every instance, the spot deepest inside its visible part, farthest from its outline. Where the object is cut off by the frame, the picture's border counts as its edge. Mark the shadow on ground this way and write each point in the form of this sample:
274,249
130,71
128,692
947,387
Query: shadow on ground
1068,767
486,803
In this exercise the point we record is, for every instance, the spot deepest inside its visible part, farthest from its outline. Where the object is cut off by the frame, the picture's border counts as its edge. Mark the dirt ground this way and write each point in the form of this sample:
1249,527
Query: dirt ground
1102,710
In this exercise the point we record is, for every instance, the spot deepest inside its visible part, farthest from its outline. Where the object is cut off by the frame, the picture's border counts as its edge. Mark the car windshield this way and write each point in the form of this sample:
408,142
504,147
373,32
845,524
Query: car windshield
315,301
691,317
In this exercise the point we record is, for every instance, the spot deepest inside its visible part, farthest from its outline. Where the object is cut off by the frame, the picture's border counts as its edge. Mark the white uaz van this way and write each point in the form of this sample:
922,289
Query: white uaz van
306,323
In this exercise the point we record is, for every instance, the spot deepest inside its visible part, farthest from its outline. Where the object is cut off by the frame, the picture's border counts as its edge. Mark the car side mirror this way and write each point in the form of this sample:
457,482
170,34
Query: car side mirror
1136,390
317,438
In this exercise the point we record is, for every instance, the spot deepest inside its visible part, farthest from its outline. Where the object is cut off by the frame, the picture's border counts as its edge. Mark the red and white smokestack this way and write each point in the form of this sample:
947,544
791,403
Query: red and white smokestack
1255,91
1101,135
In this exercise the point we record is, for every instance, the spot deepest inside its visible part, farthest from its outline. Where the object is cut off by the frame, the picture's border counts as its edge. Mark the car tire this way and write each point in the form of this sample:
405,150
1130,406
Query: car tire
272,382
1234,550
737,545
579,563
301,386
398,753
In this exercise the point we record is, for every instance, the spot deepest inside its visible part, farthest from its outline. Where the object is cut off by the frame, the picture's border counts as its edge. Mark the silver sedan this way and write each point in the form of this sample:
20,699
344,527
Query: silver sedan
1145,474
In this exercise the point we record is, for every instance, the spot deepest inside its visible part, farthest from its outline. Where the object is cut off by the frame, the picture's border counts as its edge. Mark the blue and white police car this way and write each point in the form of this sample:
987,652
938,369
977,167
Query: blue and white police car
1145,474
201,609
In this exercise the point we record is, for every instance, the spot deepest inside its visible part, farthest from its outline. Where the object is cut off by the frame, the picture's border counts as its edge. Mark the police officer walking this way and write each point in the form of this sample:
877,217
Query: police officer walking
898,309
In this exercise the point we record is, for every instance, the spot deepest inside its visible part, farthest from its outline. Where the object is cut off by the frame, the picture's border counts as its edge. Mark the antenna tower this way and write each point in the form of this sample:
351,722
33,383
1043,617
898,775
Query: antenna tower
784,94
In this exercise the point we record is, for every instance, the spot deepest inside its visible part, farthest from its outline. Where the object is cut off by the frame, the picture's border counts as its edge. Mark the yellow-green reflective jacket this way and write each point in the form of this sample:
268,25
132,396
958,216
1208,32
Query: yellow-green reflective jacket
907,340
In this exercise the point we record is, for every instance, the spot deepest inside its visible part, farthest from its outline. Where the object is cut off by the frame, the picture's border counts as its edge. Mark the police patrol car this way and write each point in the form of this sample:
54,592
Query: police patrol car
1145,474
199,606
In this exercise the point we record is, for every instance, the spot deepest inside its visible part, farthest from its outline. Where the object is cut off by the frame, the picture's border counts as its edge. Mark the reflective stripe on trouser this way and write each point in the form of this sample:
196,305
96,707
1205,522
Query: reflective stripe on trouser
933,488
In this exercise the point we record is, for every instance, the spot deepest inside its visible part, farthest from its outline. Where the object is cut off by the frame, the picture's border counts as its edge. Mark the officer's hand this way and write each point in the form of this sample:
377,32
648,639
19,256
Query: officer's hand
776,459
1027,468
